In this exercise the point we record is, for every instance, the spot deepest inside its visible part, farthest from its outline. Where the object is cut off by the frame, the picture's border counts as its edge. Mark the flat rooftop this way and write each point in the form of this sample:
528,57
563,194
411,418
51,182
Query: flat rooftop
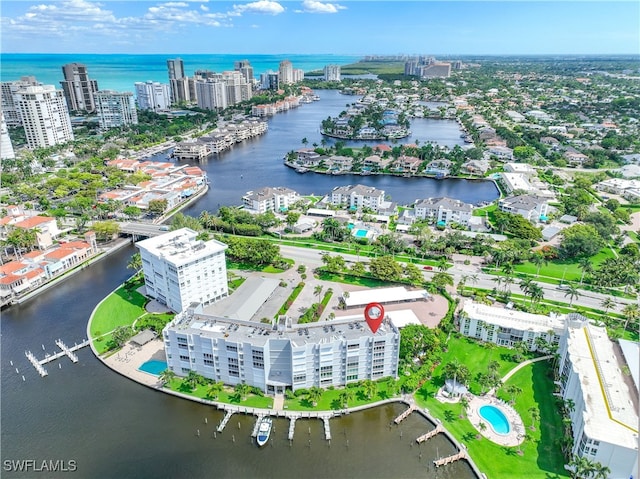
384,295
399,318
245,302
509,318
180,246
609,412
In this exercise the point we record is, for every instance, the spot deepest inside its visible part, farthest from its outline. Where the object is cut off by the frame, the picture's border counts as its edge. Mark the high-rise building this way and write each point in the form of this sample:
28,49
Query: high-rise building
44,115
180,269
115,109
178,82
269,80
9,102
286,72
6,147
78,88
212,94
244,67
238,89
153,95
332,73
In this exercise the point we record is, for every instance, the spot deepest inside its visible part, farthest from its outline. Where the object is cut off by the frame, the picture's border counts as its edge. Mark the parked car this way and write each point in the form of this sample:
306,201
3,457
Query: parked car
428,268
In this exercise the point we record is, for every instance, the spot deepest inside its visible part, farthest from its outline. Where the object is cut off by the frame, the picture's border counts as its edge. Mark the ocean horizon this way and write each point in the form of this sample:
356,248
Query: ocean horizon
119,72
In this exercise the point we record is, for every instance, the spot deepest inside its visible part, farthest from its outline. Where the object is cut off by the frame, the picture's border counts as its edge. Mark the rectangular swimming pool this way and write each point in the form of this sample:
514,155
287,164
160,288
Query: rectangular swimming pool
153,366
361,233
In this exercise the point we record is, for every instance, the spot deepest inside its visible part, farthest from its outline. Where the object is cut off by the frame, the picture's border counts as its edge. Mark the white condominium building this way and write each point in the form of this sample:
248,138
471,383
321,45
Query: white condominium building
281,356
445,210
332,73
605,415
152,95
358,197
180,269
10,106
6,147
115,109
44,115
270,199
285,72
212,94
506,327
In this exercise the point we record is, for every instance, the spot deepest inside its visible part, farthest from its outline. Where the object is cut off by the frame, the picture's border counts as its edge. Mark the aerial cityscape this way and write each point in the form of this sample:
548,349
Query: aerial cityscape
332,239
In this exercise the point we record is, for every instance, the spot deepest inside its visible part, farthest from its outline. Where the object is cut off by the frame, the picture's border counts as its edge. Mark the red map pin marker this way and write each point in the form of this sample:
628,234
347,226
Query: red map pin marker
374,314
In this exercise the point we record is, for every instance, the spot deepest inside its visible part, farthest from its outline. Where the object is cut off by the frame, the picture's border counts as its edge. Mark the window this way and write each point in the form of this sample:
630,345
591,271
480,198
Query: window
353,347
300,378
232,348
184,358
326,372
258,359
233,367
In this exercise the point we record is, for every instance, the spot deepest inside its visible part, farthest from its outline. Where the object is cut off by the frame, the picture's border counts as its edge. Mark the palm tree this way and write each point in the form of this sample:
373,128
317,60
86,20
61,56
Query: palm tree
215,389
345,396
586,266
318,291
572,292
607,303
456,370
600,471
513,390
630,313
482,427
474,278
242,389
135,263
167,376
442,264
464,403
345,296
462,282
535,417
314,395
537,293
192,380
370,388
538,259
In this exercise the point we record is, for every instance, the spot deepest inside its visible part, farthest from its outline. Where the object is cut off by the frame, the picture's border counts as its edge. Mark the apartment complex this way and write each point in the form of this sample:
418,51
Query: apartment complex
332,73
178,81
245,68
115,109
427,67
357,197
275,199
443,210
44,115
220,90
10,107
531,207
152,95
604,418
78,88
179,269
6,147
281,356
506,327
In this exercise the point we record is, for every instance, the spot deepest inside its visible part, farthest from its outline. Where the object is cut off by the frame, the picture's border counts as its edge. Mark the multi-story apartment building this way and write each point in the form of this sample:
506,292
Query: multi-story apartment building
178,81
604,417
270,80
245,68
78,88
357,197
332,73
282,356
44,115
534,208
10,107
270,199
238,90
285,72
115,109
6,147
506,327
152,95
212,94
443,210
180,269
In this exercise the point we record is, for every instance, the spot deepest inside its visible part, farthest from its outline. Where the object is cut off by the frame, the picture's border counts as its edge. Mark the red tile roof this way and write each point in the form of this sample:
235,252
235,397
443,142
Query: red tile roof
34,221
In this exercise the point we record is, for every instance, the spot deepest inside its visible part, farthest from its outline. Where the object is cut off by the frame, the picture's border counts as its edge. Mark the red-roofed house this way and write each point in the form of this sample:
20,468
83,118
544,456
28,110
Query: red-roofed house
46,229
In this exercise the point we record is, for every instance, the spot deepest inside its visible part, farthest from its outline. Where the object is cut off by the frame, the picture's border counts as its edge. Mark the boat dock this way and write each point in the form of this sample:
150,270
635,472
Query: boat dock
327,428
225,420
65,351
257,425
430,434
405,414
448,460
292,426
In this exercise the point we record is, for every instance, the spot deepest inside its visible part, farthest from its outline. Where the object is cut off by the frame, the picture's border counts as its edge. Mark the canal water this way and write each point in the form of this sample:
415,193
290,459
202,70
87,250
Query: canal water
115,428
258,162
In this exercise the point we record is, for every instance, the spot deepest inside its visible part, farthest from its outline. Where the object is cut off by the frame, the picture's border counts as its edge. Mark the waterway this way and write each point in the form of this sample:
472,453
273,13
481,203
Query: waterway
115,428
258,162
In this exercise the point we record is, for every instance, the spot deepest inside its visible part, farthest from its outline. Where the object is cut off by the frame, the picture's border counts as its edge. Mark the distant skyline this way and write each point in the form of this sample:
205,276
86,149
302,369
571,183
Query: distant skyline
318,27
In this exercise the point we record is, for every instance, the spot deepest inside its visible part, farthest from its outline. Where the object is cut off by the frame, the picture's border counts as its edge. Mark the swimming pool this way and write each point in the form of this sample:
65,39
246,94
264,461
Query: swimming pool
153,366
361,233
495,417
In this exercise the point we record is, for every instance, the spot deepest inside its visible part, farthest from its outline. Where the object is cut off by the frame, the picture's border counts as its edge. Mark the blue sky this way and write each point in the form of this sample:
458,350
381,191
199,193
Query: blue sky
314,26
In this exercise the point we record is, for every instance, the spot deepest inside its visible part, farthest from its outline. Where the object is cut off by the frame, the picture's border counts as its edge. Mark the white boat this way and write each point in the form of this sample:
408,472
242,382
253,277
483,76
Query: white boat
264,430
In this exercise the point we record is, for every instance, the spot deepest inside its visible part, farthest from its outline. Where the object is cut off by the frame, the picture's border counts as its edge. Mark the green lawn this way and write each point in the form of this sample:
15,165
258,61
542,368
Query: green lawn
252,267
227,396
557,269
542,458
330,399
485,210
120,308
357,280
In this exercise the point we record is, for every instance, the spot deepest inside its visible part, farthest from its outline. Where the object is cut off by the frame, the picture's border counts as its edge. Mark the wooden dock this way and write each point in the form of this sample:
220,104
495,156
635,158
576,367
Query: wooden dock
65,351
257,425
292,426
327,429
225,420
448,460
405,414
430,434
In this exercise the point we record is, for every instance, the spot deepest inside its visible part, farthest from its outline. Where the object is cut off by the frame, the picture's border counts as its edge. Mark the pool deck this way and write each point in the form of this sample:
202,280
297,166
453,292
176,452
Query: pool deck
130,357
517,430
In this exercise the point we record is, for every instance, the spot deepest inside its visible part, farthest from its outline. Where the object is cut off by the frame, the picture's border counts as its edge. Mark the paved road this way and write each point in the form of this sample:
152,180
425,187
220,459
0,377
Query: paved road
590,299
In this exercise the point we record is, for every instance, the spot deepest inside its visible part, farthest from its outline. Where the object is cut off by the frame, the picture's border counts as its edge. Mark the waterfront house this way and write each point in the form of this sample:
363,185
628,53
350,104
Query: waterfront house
407,164
439,168
376,163
46,229
476,167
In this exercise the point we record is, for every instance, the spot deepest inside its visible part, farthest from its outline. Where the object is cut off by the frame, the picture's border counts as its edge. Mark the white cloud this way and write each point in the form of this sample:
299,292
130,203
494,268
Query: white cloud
261,6
204,8
314,6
